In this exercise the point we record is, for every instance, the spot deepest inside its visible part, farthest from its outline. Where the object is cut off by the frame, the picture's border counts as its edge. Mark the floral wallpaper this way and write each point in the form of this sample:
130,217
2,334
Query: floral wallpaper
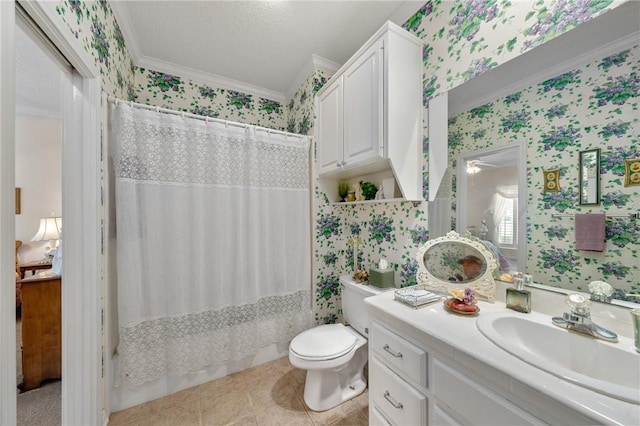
593,106
93,24
462,40
177,93
300,109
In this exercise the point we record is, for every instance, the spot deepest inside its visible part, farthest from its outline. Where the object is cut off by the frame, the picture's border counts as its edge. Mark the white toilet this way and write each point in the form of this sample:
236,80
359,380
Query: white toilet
334,355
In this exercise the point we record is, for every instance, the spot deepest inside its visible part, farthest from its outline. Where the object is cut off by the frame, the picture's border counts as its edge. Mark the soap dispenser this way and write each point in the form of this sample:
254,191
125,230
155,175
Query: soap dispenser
518,298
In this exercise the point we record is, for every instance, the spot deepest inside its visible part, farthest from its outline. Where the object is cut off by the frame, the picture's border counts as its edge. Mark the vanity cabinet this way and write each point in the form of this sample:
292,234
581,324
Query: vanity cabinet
369,116
424,381
397,378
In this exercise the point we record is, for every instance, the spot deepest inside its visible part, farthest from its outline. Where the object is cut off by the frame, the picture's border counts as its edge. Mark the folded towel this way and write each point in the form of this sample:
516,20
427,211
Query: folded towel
417,297
590,231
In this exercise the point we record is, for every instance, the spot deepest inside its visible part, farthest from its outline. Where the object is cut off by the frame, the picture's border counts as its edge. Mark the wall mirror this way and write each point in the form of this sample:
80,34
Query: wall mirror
558,112
453,261
589,183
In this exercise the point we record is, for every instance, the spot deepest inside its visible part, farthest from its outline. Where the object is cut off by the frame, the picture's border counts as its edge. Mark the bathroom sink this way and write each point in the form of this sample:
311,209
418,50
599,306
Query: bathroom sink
611,369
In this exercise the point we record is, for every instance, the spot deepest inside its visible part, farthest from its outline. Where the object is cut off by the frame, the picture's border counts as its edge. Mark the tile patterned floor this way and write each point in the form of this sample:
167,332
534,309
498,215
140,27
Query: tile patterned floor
269,394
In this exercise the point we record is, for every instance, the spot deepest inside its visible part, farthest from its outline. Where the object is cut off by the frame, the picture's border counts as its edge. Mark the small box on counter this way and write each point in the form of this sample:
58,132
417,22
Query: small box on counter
382,278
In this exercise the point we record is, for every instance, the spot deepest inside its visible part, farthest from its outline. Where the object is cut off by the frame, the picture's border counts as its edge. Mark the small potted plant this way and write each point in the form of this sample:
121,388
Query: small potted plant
369,190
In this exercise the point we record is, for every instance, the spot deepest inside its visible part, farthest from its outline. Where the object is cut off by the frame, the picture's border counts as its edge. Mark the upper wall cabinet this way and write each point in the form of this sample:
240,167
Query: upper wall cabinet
370,116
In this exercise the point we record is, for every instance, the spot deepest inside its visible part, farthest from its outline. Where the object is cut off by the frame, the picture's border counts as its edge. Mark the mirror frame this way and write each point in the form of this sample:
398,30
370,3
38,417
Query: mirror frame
484,285
581,171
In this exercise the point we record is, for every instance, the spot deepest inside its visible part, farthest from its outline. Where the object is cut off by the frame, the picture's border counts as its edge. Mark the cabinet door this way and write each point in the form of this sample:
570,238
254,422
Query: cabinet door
363,110
329,132
472,401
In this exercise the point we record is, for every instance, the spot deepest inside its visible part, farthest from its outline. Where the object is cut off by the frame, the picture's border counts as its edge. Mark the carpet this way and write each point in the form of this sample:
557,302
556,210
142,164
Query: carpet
41,406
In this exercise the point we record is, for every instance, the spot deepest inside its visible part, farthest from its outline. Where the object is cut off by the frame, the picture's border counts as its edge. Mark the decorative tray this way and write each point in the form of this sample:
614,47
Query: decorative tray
416,295
448,306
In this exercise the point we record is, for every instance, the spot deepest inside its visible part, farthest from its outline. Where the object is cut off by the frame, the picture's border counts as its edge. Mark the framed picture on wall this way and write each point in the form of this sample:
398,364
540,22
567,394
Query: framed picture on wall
551,180
632,172
18,206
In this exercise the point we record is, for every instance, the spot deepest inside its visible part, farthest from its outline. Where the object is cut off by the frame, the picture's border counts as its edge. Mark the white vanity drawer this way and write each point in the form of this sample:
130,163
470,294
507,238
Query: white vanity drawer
399,353
474,402
400,402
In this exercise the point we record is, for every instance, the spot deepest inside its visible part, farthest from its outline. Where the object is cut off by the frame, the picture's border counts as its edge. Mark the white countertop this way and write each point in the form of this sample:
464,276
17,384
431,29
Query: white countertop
459,332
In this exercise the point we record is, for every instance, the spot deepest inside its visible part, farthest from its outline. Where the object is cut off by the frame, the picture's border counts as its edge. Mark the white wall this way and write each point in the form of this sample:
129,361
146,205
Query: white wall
39,175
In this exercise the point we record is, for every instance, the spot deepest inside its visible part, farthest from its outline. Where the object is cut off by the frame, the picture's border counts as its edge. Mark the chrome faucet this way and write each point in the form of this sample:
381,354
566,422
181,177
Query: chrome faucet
579,319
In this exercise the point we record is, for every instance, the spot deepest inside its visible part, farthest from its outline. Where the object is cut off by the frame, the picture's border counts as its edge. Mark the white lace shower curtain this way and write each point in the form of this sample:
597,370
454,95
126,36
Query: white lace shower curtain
213,245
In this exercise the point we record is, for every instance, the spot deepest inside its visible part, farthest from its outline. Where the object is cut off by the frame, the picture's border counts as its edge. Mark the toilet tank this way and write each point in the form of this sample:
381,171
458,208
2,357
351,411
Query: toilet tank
353,307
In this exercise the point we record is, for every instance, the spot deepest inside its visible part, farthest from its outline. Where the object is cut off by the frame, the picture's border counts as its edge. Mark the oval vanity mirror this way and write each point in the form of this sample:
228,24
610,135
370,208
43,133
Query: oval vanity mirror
453,261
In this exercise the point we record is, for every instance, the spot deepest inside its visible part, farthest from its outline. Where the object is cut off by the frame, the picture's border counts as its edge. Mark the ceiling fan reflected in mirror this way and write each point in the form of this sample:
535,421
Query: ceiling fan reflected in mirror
473,166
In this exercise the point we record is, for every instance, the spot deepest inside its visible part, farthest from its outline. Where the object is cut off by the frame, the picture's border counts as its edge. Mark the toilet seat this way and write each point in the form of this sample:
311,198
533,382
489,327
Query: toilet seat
323,342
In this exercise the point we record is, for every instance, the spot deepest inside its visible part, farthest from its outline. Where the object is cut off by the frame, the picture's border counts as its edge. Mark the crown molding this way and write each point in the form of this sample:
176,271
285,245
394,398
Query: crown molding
129,33
310,66
208,78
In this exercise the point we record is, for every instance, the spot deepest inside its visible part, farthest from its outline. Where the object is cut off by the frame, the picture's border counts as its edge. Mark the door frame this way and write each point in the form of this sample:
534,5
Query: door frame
520,148
82,386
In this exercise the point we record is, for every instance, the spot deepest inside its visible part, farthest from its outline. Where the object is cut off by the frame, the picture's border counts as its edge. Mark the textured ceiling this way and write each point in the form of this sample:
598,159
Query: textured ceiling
261,44
265,44
37,79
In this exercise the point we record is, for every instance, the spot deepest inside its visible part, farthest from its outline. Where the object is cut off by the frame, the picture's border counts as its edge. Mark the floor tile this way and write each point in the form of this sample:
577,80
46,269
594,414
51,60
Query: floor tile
268,394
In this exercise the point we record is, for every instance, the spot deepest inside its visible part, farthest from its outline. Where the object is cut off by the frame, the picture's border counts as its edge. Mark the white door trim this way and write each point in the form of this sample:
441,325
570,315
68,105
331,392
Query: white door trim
82,396
7,218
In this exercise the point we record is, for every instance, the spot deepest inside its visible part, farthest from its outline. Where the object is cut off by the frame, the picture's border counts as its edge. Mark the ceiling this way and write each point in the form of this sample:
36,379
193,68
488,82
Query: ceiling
261,47
38,78
270,47
264,47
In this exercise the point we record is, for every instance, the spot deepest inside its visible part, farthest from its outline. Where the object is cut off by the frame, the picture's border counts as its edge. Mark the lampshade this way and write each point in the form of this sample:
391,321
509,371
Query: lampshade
50,228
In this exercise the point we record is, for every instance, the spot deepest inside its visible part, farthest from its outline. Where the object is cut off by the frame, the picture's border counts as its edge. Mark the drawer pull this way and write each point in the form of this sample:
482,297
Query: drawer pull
395,354
393,402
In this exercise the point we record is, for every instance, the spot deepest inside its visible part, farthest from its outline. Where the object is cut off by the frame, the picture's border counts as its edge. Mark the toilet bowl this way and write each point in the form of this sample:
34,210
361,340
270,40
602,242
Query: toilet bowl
334,355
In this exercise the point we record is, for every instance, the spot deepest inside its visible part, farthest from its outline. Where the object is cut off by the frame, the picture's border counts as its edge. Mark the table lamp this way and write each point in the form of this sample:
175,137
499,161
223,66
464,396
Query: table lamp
50,228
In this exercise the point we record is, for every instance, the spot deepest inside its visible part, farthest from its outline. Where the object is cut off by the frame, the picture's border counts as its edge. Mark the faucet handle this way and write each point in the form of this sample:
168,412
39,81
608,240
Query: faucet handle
579,304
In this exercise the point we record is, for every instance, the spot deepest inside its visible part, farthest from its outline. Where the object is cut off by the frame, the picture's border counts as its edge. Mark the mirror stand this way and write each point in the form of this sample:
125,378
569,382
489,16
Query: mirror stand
453,261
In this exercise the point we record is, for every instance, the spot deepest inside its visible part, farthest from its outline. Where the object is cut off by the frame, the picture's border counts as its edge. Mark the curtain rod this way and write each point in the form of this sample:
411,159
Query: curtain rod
629,216
205,118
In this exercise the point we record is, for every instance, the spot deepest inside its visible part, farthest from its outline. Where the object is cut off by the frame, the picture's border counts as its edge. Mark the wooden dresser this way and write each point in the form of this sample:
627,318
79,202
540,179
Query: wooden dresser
41,330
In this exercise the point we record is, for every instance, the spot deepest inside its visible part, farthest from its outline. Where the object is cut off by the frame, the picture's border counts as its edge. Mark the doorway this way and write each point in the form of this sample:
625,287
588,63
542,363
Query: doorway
38,168
491,201
82,396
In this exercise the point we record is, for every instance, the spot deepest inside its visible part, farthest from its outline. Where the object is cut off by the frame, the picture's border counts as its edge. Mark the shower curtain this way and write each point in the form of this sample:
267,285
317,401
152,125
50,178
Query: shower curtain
213,241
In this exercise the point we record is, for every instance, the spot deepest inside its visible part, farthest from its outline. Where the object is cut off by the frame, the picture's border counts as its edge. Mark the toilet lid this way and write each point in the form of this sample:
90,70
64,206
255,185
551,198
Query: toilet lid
323,342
